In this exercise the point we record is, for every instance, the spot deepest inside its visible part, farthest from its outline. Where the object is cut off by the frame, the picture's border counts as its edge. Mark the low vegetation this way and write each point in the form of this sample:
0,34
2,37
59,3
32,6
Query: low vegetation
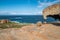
12,25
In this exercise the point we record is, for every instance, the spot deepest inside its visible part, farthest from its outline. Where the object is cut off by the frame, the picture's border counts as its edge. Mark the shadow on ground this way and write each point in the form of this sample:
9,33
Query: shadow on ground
55,23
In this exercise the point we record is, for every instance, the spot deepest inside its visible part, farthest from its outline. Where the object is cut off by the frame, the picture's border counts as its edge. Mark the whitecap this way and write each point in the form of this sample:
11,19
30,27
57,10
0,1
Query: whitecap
15,21
16,18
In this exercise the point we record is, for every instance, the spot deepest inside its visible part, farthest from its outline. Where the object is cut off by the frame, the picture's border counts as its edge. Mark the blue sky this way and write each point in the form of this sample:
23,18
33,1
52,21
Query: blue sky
24,7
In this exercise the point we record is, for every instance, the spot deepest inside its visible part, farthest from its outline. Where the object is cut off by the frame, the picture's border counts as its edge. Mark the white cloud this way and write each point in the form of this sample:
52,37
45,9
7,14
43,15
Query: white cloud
42,5
7,13
17,13
13,13
36,12
39,12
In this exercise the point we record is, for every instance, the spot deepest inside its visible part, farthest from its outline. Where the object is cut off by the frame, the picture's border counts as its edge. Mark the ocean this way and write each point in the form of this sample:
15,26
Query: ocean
26,18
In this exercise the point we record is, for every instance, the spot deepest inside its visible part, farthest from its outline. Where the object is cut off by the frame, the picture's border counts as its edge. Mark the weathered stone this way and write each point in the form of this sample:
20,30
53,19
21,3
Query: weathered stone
4,21
39,24
51,10
31,32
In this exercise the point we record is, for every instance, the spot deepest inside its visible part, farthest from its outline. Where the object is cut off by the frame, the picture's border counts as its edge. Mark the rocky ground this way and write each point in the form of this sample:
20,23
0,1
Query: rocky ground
31,32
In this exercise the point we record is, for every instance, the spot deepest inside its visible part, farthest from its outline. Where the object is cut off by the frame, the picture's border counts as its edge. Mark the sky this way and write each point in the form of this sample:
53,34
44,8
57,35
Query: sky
24,7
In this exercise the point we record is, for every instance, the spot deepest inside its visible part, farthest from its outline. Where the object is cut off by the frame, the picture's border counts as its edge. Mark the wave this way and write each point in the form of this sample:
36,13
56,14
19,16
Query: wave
15,21
16,18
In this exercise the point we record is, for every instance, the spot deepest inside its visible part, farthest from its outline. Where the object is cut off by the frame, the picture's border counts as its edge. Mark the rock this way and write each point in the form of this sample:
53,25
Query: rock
4,21
39,24
31,32
45,22
52,10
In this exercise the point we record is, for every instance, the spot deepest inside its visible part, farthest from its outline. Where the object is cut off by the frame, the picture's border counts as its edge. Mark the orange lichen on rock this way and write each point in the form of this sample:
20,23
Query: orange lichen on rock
4,21
31,32
43,37
51,10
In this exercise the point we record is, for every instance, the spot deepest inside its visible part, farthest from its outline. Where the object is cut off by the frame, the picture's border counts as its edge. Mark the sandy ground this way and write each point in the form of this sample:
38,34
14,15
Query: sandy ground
32,32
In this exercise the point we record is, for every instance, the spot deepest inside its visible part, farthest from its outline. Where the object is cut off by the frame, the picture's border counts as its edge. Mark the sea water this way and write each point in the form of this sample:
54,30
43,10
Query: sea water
25,18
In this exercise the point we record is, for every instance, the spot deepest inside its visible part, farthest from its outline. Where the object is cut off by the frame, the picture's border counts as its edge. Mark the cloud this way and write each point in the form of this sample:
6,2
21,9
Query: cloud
18,13
44,4
7,13
38,11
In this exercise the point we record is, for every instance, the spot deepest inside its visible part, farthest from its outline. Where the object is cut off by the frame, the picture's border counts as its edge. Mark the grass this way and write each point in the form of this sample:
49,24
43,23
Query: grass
13,25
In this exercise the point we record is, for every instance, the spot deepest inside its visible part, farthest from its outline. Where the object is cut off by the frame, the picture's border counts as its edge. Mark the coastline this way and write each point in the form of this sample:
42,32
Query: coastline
32,32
